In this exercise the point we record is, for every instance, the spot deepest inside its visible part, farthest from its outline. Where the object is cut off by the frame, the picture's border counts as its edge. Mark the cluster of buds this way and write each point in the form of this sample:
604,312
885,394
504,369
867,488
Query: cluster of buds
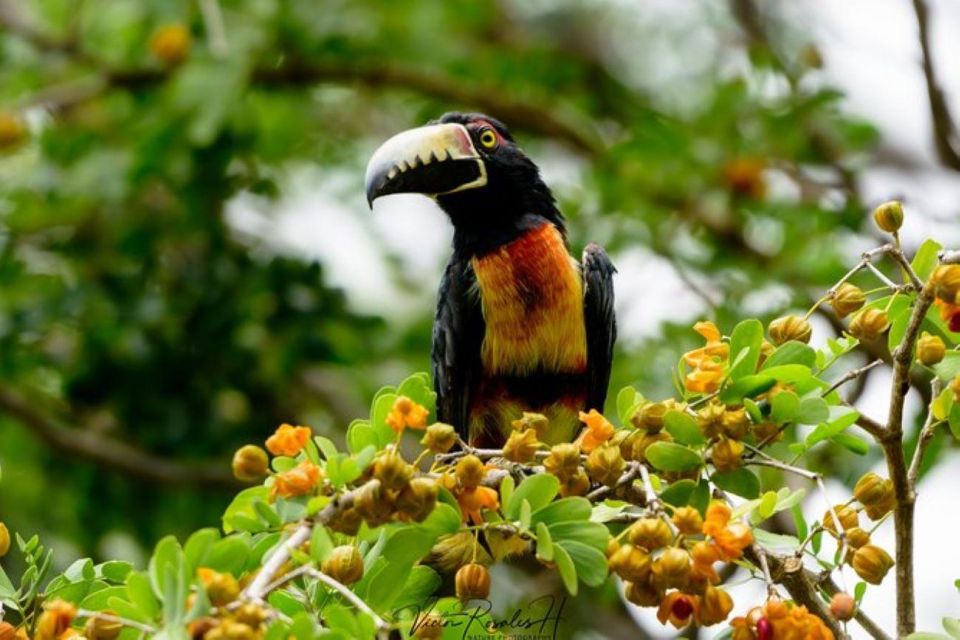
945,281
777,619
466,483
391,491
877,499
246,622
670,565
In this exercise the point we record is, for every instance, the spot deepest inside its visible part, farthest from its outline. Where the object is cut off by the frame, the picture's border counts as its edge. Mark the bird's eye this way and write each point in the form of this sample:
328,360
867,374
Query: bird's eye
488,138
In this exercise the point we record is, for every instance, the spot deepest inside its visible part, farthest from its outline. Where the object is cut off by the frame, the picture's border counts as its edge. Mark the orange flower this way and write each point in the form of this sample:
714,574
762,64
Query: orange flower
677,608
729,539
949,313
705,555
473,500
778,620
598,431
288,440
298,481
708,362
406,413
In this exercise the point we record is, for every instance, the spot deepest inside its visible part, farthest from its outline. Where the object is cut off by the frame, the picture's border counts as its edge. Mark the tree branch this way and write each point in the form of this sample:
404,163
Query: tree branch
112,453
944,129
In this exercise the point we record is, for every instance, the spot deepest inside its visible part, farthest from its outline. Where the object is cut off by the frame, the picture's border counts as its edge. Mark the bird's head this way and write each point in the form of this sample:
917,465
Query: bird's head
470,164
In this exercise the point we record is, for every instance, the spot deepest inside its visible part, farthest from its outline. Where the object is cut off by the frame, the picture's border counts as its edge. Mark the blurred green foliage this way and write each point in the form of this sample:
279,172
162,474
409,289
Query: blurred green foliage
132,311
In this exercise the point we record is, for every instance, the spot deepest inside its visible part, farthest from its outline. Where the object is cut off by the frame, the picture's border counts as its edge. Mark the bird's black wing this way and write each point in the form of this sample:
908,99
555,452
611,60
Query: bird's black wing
601,323
457,337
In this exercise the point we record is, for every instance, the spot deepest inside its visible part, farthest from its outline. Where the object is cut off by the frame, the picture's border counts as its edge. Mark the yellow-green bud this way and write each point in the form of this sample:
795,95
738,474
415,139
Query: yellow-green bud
930,349
563,461
605,465
521,446
789,328
4,540
439,437
889,216
872,563
472,582
470,471
344,564
847,299
869,324
417,499
946,282
250,463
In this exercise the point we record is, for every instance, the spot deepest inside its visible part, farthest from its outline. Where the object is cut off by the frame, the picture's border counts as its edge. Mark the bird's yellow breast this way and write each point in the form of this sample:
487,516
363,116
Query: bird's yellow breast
532,299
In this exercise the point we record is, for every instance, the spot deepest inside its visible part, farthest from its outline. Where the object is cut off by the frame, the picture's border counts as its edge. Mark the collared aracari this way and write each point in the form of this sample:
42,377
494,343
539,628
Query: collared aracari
520,325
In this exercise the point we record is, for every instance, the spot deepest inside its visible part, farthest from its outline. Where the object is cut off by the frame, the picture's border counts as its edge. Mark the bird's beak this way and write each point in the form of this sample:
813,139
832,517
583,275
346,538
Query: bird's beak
432,160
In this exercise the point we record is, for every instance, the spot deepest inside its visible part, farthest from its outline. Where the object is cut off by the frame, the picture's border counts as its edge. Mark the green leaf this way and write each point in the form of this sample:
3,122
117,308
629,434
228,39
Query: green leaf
326,446
741,482
784,407
898,327
361,435
544,543
568,574
859,591
679,493
812,410
926,258
525,513
420,585
775,540
241,507
683,428
852,443
383,586
538,490
951,626
927,635
142,596
670,456
747,335
747,387
229,555
592,534
589,563
791,352
382,404
627,402
799,521
565,509
507,486
768,502
198,546
320,543
948,368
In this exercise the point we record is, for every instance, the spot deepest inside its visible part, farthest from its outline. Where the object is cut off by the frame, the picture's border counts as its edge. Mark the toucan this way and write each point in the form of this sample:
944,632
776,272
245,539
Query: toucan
520,325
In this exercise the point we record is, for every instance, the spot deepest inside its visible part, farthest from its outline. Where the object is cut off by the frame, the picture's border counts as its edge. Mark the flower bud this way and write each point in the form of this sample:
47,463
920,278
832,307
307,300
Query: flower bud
535,421
869,324
429,627
171,44
766,350
650,417
726,454
521,446
98,628
767,432
715,605
687,520
955,388
252,615
710,419
846,299
372,505
789,328
878,510
472,582
735,423
605,465
630,563
250,463
642,593
843,606
222,588
563,461
4,540
946,282
55,620
930,349
344,564
651,533
392,470
470,472
856,537
889,216
848,517
439,437
638,451
575,485
417,499
872,563
13,131
347,522
871,489
672,568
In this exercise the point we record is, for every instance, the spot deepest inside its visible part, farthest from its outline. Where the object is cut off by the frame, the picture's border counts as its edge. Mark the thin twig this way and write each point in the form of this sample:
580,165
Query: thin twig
926,436
109,617
850,375
349,595
944,128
